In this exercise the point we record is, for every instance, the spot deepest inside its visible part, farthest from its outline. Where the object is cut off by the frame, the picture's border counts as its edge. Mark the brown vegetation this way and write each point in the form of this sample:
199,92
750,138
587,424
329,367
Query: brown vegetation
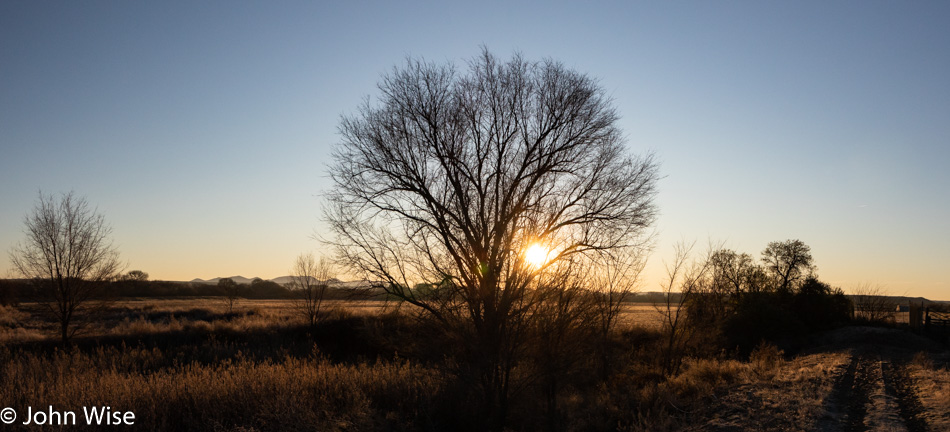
309,393
191,365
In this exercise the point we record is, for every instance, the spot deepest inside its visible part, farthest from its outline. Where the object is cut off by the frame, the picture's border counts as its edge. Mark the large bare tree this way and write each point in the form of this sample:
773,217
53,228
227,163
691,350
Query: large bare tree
448,178
68,255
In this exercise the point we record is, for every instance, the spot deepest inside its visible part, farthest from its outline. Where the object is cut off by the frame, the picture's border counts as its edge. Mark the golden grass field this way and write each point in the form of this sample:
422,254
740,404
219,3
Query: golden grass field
188,364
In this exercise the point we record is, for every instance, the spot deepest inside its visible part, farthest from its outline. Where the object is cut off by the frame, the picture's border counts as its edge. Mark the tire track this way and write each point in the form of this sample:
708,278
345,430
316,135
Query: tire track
851,395
897,382
851,398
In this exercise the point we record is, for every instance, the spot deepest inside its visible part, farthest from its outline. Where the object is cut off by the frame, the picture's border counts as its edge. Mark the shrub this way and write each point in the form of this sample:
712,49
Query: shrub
779,316
763,316
765,359
821,307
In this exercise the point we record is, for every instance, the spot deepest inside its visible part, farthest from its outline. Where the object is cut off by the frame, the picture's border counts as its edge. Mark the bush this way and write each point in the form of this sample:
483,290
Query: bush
781,316
9,290
761,317
765,359
821,307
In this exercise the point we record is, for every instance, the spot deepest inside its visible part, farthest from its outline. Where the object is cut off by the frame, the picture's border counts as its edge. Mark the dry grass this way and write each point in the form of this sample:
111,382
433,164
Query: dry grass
790,397
157,316
192,365
16,326
713,394
643,315
291,394
140,317
932,382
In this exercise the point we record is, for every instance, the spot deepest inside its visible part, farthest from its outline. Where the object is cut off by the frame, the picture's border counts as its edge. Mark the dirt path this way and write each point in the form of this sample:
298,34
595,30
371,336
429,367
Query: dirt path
849,398
852,379
871,394
897,382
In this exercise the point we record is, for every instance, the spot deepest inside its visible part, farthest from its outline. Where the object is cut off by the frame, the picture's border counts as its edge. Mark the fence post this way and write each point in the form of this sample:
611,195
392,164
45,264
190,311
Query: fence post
927,320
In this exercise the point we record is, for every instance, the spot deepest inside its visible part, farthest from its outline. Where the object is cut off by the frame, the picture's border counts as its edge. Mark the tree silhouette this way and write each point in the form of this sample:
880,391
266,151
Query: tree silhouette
68,256
451,176
310,282
738,272
872,303
229,289
788,263
135,275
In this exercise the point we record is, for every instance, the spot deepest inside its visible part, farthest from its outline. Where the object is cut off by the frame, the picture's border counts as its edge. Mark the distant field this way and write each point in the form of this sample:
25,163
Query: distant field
152,315
642,315
149,315
265,307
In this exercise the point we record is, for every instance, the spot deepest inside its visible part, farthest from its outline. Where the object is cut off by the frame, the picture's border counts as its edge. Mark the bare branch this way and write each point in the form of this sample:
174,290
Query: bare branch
445,181
68,255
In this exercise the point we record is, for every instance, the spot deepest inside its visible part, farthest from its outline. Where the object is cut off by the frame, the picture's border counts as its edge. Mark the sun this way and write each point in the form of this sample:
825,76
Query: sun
537,255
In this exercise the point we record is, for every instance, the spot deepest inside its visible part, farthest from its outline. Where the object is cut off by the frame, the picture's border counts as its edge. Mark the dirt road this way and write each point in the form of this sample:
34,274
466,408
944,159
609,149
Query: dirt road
853,379
874,393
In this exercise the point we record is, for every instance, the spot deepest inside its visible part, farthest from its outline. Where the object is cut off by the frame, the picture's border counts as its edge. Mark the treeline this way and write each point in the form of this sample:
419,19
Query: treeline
730,300
14,291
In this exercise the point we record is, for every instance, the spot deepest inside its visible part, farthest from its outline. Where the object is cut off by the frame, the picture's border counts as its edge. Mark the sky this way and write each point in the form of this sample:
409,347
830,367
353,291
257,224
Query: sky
202,131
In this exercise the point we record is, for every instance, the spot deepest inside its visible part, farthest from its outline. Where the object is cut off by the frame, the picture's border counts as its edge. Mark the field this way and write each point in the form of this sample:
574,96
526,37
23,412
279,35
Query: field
143,316
190,364
140,316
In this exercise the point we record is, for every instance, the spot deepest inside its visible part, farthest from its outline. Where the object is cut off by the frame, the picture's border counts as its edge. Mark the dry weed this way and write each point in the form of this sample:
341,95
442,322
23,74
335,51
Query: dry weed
932,386
791,398
765,360
293,394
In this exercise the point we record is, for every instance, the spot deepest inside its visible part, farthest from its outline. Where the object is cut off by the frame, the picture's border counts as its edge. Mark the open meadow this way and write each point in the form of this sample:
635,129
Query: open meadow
131,317
189,364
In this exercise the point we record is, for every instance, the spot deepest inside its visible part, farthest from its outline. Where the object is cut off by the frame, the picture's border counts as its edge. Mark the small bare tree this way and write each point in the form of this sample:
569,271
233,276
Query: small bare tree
685,282
873,303
135,275
68,256
310,280
229,288
614,279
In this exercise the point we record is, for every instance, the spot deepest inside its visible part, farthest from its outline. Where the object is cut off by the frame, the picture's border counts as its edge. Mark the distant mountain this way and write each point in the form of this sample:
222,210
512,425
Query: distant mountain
236,279
282,280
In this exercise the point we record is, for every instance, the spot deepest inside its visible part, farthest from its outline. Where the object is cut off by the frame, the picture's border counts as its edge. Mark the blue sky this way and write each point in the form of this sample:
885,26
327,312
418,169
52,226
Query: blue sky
202,130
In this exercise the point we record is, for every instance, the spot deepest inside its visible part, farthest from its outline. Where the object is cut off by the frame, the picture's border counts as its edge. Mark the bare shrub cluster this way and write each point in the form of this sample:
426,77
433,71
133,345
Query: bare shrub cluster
310,281
873,304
